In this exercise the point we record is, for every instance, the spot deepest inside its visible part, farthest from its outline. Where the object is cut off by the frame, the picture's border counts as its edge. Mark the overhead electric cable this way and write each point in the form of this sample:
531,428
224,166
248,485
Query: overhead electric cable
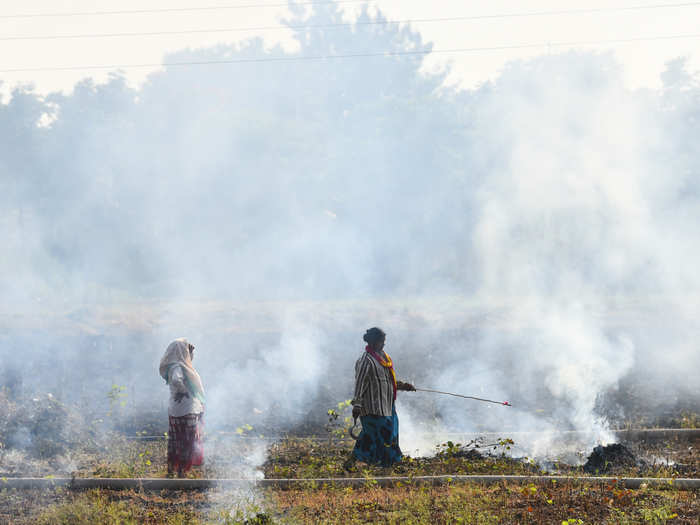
321,26
177,9
302,58
516,14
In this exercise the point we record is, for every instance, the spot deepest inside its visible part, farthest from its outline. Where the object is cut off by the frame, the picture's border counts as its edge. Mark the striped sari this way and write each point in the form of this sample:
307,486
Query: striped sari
375,392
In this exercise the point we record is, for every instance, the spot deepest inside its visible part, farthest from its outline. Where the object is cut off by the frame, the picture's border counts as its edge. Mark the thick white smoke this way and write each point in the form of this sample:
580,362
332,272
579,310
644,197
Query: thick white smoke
578,241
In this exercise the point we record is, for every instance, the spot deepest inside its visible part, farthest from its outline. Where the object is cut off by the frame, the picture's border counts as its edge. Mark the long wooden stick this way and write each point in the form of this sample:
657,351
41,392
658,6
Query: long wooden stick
504,403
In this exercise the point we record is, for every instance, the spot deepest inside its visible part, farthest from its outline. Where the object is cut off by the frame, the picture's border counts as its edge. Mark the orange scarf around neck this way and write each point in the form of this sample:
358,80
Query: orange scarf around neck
386,364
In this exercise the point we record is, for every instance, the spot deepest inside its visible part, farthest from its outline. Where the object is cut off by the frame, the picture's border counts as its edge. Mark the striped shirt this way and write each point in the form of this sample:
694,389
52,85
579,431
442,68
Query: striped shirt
374,390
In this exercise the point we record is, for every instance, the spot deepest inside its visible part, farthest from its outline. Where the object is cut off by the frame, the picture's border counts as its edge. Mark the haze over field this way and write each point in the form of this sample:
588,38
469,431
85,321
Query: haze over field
533,239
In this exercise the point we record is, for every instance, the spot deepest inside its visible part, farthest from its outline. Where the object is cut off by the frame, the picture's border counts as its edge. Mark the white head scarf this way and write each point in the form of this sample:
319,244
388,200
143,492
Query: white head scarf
178,353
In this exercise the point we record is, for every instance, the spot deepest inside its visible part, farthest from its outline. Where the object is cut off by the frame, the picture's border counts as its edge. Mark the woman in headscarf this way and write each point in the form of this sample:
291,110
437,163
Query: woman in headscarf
185,409
373,403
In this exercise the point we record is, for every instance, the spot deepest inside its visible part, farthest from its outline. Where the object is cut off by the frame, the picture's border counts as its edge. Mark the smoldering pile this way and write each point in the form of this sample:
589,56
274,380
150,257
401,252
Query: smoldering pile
605,459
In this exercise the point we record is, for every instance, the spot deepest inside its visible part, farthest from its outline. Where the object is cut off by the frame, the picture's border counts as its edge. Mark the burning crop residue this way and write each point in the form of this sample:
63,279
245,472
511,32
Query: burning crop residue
609,458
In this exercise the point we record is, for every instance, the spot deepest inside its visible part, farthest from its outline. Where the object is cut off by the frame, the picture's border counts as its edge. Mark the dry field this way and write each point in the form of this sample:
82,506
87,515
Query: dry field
79,450
571,503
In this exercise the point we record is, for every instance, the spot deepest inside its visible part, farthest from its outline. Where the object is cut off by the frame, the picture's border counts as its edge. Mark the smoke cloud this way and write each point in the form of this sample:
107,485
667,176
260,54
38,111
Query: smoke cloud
530,240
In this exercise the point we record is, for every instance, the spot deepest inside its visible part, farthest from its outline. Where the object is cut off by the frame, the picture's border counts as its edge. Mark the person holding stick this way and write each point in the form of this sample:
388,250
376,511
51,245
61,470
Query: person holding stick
185,409
375,393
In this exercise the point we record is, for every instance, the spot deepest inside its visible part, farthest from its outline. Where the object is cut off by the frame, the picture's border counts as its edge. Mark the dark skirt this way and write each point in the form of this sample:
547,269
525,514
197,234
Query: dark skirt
185,442
378,443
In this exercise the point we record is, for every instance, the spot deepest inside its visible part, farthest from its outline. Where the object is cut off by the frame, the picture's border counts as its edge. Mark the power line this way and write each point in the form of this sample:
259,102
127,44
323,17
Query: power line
344,24
176,9
235,29
338,2
353,55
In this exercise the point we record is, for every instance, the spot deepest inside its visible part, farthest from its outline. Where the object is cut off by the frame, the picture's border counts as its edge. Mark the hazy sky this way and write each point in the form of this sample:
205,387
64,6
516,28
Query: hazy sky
540,26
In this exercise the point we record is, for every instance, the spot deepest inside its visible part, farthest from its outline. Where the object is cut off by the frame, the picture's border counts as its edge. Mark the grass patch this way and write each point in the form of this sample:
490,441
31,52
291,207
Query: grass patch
111,507
119,457
301,458
504,503
572,503
305,458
